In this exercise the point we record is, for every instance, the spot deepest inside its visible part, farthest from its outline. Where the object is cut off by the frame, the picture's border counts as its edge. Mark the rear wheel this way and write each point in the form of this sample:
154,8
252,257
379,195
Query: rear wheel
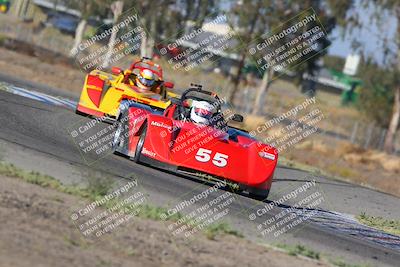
139,146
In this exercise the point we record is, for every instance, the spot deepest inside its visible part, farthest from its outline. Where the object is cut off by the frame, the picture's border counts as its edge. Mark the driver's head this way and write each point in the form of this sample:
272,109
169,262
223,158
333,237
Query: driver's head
201,112
145,80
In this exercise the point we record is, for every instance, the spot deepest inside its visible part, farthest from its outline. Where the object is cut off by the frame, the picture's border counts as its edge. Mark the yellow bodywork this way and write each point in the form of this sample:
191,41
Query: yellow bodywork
113,91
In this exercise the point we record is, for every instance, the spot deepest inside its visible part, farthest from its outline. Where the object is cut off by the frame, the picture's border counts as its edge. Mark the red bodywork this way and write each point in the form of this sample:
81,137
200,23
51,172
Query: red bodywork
202,149
147,65
94,84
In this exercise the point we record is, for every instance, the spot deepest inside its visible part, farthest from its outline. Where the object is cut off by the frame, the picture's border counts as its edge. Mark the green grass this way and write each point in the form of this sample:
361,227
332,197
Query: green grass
42,180
300,250
340,263
296,250
386,225
3,38
220,228
154,213
97,187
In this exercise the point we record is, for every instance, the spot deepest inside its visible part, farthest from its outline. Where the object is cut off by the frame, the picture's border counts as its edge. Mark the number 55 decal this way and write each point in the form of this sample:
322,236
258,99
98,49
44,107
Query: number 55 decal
204,155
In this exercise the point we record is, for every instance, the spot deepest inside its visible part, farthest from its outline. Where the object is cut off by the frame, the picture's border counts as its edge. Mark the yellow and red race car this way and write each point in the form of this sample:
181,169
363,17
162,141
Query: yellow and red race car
102,92
4,6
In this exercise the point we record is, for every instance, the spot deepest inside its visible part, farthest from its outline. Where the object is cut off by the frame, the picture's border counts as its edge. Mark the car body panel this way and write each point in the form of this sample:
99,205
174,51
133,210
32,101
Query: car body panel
232,155
102,92
240,160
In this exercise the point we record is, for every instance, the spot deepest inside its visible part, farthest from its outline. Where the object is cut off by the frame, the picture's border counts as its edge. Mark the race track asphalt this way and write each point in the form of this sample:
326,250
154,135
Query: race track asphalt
41,129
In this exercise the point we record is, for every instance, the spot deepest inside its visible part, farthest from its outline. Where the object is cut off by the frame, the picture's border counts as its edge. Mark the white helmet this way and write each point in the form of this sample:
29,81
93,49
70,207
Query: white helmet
201,112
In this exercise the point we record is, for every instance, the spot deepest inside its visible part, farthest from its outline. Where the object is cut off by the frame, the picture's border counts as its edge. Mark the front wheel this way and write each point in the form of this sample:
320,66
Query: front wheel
259,194
120,140
139,146
77,112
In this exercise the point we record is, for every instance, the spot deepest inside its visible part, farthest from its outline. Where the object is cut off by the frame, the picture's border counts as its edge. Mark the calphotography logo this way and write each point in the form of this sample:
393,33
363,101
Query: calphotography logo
106,214
199,46
290,44
295,208
202,211
124,38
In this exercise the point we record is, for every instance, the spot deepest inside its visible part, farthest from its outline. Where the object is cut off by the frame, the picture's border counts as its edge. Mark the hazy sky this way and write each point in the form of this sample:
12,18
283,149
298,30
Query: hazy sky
371,36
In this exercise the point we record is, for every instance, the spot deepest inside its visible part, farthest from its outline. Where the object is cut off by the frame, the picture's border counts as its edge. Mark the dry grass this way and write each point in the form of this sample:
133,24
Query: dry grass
358,155
337,158
345,161
389,226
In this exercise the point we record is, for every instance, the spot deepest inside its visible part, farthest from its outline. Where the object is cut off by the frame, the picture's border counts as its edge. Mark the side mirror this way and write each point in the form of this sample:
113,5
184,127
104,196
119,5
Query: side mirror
237,118
116,71
169,84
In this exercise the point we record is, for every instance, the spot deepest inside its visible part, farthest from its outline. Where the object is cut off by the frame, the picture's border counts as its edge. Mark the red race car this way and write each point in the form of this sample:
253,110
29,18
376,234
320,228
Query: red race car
192,137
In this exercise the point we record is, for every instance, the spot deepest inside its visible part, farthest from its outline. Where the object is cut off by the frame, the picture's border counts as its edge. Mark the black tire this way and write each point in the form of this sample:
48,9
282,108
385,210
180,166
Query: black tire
80,113
259,194
139,146
120,136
